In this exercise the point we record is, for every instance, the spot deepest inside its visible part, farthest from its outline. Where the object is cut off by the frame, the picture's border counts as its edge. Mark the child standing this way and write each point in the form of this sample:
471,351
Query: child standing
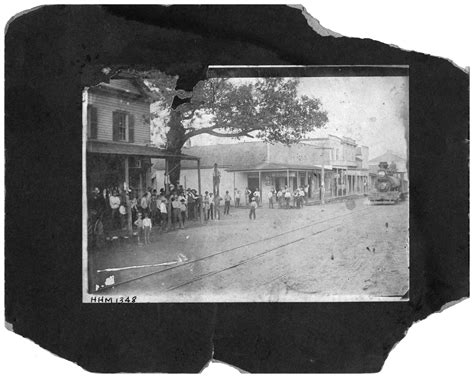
139,224
253,207
147,228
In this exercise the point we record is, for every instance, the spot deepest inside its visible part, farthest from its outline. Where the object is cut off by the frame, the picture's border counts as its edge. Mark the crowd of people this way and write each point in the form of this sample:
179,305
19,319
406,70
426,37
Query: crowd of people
112,208
115,208
285,198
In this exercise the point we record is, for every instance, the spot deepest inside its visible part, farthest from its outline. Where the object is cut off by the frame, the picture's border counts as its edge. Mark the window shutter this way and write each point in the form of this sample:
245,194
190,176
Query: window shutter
93,122
115,125
131,128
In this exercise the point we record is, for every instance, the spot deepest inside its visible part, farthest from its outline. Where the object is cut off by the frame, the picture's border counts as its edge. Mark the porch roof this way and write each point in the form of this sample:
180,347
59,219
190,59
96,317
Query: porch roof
128,149
273,167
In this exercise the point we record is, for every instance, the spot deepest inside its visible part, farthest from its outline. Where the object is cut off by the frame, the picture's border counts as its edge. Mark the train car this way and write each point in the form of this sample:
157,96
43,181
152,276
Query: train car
390,186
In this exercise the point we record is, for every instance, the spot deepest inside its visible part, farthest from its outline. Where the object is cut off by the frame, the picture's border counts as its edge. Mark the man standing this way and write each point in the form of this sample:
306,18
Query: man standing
287,198
227,199
248,195
207,205
216,179
176,208
114,201
270,199
256,195
253,207
154,207
144,203
237,197
279,198
217,204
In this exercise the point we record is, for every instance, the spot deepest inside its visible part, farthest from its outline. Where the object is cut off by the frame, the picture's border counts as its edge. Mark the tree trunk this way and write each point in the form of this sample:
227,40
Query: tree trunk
175,139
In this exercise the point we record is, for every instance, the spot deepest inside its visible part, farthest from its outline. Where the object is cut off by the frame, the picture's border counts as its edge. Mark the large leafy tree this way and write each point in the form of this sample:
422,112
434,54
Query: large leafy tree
270,109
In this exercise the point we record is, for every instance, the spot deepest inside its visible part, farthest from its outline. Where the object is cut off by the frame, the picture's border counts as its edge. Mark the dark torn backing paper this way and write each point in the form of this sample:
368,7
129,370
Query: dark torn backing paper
42,270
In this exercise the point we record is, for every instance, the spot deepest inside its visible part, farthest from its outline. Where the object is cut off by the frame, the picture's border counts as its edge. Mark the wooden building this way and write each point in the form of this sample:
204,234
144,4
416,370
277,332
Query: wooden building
118,145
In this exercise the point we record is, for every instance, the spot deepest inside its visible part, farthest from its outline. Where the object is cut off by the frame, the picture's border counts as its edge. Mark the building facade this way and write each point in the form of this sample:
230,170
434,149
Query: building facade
118,137
345,163
117,123
264,166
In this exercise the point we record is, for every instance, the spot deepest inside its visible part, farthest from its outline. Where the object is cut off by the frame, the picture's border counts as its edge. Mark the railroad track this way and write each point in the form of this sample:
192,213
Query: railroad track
187,264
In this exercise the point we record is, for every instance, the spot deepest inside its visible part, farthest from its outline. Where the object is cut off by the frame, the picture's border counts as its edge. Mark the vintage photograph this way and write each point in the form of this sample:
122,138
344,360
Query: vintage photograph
258,185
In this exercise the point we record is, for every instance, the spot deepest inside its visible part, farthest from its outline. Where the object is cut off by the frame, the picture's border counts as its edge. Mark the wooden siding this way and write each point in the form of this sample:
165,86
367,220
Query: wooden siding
107,104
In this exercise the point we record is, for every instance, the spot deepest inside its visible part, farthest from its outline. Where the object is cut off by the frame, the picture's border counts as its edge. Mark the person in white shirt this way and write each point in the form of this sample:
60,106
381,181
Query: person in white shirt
287,198
301,196
270,199
147,228
256,194
237,197
211,206
144,203
279,198
114,201
253,207
164,214
176,208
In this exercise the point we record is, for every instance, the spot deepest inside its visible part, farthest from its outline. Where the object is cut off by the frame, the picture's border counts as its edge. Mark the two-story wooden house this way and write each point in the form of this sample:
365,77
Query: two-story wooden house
118,137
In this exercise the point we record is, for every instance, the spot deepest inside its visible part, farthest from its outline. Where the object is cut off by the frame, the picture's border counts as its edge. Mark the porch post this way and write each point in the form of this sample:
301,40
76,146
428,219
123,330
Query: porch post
127,196
199,188
199,176
306,183
288,178
322,184
141,185
260,187
168,195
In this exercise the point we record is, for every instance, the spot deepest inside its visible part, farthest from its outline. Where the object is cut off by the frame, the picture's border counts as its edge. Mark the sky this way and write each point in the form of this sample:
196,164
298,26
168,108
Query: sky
371,110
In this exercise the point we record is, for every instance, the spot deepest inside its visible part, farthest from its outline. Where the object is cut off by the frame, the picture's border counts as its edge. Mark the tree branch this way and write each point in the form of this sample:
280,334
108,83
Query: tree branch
211,131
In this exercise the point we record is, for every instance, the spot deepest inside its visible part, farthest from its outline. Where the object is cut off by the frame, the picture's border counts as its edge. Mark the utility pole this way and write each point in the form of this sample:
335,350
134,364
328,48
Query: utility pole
216,178
321,184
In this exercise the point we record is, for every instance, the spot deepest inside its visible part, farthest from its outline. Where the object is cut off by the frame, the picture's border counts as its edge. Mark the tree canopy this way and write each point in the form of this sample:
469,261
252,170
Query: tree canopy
270,109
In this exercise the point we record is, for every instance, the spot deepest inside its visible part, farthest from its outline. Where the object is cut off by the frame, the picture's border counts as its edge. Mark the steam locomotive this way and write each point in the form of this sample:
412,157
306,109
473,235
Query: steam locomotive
390,186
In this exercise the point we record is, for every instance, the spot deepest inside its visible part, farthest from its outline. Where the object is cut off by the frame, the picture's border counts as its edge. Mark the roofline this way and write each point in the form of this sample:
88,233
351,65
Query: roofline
121,92
249,170
158,154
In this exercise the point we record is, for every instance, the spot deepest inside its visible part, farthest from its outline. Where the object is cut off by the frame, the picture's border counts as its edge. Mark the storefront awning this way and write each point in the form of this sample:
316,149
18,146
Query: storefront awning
117,148
272,167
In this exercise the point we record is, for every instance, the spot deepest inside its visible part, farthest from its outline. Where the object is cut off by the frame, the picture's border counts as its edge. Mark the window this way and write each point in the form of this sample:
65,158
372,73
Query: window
123,127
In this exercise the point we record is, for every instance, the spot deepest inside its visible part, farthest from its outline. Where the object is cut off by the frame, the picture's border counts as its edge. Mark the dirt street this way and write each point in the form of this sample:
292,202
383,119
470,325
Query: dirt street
345,251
